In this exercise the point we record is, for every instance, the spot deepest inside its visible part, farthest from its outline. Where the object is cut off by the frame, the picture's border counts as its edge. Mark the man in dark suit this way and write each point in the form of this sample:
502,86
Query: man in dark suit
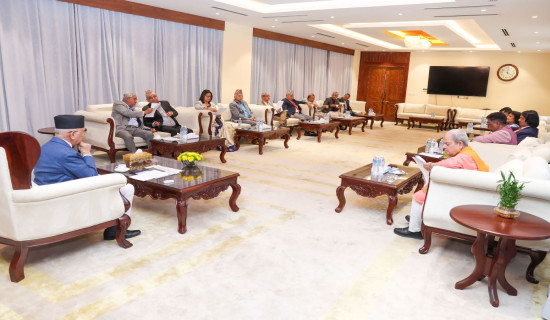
240,109
59,162
345,100
293,109
128,121
164,117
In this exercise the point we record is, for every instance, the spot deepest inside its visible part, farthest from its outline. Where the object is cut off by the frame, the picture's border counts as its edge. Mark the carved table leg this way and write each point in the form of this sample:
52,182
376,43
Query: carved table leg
364,124
478,249
236,138
371,123
224,151
17,272
287,137
382,123
507,251
319,133
234,195
299,132
261,142
181,207
336,133
536,258
420,185
408,160
392,202
341,198
350,127
123,224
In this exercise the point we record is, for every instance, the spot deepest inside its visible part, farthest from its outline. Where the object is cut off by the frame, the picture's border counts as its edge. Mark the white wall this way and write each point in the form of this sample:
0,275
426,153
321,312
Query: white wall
530,90
236,61
355,74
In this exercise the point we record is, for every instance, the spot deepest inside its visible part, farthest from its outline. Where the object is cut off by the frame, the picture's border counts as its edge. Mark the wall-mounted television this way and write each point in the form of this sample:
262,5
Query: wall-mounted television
458,81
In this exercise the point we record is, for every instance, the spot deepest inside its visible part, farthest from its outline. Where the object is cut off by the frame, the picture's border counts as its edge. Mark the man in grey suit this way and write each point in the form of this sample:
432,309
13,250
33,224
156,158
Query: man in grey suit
240,110
128,121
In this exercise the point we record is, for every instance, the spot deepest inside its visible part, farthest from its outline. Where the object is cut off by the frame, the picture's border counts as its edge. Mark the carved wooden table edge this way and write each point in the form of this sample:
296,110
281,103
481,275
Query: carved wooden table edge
261,136
371,189
319,127
201,146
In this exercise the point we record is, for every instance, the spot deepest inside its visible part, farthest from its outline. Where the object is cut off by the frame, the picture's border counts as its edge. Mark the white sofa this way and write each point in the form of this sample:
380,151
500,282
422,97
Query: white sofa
465,115
101,126
475,187
403,111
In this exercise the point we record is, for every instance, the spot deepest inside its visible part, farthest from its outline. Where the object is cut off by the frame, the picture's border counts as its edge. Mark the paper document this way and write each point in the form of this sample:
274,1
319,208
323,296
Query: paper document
279,106
220,111
155,172
154,106
169,139
425,174
431,155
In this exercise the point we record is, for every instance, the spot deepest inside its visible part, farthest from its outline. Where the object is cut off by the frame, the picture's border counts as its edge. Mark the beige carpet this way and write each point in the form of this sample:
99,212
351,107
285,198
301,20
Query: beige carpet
285,255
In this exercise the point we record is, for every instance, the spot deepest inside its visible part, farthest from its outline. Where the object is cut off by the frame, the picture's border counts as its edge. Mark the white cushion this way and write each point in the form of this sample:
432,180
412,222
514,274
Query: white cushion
438,110
470,113
542,151
414,108
536,168
515,166
529,142
521,153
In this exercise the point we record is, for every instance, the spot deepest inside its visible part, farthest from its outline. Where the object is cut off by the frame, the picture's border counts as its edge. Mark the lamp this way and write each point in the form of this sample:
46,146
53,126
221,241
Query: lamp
417,42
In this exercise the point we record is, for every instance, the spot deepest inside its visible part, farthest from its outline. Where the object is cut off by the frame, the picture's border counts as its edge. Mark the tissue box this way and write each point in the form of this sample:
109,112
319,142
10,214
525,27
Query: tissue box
138,160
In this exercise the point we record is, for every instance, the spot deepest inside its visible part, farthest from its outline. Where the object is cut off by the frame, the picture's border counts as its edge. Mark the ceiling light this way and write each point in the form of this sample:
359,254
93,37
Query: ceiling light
483,10
343,43
332,17
534,17
519,51
417,42
399,14
272,26
538,42
217,13
276,19
538,50
536,32
313,36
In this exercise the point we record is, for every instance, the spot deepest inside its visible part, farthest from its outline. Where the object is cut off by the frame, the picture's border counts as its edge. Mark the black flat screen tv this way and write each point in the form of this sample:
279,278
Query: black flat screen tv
458,81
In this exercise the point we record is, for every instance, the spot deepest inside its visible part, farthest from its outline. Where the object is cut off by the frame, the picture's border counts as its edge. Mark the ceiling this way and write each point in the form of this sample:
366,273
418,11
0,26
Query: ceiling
465,25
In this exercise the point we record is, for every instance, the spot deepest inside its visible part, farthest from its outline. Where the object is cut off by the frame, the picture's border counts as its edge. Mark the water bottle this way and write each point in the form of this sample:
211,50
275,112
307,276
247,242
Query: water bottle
348,115
240,124
374,171
382,165
441,144
433,146
470,128
428,145
483,122
183,133
327,117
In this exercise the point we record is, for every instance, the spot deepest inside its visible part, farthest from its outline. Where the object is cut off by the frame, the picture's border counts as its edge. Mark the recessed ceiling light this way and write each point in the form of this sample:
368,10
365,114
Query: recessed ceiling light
538,50
519,51
538,42
332,17
400,14
217,13
343,43
536,32
483,10
276,19
313,36
534,17
272,26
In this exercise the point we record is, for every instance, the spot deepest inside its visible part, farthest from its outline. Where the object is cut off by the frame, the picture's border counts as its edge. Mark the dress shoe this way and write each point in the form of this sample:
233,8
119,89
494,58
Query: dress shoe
408,218
109,235
404,232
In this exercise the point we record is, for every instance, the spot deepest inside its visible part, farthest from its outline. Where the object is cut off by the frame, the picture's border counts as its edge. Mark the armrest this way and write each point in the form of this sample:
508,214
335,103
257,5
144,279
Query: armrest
68,188
93,117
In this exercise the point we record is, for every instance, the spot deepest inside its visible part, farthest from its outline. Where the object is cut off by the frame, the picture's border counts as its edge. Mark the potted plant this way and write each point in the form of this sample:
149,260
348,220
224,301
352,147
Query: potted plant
509,189
189,158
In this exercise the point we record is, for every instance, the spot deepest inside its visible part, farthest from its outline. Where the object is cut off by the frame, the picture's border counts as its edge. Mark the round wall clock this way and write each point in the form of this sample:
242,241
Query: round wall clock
507,72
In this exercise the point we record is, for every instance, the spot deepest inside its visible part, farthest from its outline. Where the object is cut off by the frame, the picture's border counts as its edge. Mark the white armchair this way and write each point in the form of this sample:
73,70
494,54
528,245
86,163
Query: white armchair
47,214
449,188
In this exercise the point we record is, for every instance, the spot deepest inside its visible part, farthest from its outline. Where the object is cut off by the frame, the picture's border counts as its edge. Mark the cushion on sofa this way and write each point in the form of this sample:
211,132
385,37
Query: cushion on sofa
529,142
438,110
543,151
414,108
521,153
470,113
515,166
536,168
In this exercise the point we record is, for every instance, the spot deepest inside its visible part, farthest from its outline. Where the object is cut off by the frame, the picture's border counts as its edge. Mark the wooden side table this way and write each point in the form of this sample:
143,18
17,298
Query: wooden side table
488,225
47,130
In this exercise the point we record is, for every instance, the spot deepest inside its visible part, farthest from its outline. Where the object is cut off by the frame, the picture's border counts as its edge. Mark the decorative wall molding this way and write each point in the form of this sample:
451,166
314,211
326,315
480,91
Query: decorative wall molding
299,41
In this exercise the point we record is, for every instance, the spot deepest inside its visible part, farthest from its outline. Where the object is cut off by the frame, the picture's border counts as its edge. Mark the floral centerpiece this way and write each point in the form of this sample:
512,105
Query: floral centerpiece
189,158
509,189
190,173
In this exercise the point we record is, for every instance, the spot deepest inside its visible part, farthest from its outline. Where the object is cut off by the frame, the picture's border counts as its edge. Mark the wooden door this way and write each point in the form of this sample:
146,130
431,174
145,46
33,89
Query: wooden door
375,88
394,90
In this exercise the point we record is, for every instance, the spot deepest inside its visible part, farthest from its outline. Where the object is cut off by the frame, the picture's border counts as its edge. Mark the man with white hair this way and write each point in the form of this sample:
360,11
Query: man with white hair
128,121
280,114
461,156
293,109
333,103
164,117
240,109
59,162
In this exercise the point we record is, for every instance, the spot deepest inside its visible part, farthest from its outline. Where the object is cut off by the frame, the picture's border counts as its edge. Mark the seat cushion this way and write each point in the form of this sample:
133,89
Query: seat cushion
414,108
437,110
536,168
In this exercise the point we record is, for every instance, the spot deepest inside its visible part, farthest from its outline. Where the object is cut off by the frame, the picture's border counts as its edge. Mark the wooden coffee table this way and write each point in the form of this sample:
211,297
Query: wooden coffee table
353,121
439,122
488,225
261,136
359,180
318,127
377,117
174,148
410,156
208,186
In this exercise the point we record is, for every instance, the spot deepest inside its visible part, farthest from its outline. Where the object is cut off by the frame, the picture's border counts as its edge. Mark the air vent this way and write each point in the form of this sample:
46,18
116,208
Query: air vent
505,32
295,21
326,35
362,45
467,15
287,16
513,44
242,14
461,7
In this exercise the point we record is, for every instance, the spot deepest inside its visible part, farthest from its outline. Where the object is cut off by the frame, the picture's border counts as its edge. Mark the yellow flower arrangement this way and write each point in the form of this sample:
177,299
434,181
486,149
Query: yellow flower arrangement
189,158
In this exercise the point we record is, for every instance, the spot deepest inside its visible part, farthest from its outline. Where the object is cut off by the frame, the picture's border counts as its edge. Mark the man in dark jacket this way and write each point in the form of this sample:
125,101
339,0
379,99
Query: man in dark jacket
164,117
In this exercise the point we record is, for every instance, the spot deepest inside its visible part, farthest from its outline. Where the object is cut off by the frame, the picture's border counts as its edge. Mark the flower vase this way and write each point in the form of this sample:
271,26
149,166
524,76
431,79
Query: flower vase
189,164
509,213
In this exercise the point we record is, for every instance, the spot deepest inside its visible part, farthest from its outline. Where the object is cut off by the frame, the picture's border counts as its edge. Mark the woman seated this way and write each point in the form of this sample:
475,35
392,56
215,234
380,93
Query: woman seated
205,103
512,119
461,156
528,123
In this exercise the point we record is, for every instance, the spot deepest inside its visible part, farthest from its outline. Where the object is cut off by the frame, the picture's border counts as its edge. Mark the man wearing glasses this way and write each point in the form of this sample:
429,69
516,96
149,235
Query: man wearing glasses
59,162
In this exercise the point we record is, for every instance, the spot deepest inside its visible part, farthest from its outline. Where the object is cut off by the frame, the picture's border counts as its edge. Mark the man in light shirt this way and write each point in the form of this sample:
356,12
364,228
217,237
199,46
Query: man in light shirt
240,109
501,132
128,121
280,114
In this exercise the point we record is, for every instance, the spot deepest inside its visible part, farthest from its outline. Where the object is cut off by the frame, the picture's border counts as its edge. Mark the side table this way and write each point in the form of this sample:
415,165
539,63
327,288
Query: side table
488,225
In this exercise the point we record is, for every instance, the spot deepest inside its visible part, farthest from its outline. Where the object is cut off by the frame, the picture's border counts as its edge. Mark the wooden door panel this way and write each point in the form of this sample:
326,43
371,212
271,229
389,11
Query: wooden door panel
394,90
375,88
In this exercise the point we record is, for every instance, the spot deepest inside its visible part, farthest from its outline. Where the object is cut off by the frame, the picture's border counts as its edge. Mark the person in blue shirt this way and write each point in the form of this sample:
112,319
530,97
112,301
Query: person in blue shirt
59,162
